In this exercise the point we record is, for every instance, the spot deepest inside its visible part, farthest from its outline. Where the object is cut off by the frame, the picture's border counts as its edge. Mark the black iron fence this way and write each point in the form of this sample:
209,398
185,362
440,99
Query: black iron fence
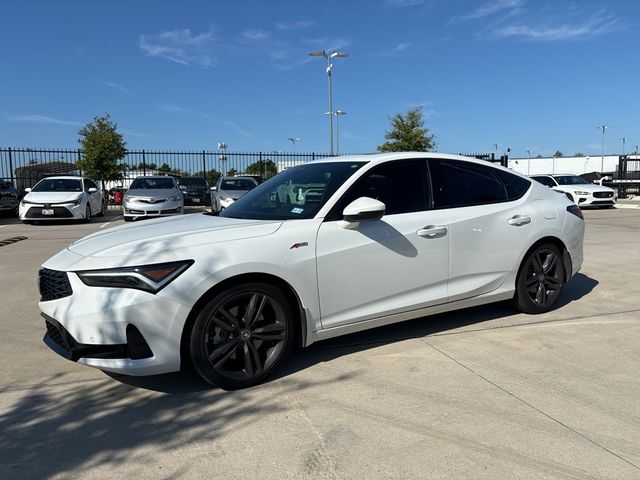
626,178
24,167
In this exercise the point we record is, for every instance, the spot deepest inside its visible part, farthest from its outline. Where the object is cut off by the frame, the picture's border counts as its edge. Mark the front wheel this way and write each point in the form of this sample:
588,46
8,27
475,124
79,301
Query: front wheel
540,280
242,335
87,214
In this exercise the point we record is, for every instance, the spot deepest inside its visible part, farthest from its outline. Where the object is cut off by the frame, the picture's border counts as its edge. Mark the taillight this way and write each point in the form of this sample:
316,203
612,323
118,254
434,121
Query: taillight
576,211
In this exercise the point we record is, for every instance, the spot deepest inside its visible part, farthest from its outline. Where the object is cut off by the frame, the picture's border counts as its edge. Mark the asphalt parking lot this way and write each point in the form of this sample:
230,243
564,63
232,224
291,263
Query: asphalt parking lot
479,393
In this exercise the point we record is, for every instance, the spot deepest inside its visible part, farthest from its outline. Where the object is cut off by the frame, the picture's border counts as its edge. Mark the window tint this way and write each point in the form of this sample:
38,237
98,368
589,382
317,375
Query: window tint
516,186
153,183
400,185
547,181
459,184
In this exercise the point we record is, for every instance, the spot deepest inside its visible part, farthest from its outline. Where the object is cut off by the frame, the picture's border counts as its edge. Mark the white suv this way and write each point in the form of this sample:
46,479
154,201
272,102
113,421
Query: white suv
578,190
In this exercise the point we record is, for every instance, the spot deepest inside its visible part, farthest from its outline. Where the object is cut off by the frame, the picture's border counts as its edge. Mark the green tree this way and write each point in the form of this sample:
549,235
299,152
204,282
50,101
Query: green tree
267,168
165,168
408,134
232,172
211,176
102,149
558,154
579,154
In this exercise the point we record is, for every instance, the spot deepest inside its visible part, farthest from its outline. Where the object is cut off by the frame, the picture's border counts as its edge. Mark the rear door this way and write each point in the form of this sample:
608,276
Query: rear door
490,223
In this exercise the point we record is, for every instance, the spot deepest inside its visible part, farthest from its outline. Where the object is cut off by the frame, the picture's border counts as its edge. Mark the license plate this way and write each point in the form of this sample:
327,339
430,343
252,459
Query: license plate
47,211
196,200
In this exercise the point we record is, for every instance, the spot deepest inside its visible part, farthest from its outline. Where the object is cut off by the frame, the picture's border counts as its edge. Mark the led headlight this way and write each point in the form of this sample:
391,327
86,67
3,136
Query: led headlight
150,278
175,198
579,192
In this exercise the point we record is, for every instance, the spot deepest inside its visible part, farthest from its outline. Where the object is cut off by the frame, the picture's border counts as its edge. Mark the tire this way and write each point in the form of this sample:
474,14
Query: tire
87,214
128,219
102,210
232,352
540,280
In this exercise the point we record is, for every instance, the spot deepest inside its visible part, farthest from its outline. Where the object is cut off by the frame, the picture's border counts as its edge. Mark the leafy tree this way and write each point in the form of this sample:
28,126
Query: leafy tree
558,154
408,134
266,168
211,176
232,172
165,168
539,156
102,149
578,154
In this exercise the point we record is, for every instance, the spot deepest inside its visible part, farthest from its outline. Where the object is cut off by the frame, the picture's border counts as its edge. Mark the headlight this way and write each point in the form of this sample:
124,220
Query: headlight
150,278
175,198
76,202
578,192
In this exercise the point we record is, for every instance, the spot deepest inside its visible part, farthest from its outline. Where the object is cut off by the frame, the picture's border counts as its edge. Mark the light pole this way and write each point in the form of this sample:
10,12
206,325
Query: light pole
338,113
222,157
294,140
624,142
603,128
528,162
329,56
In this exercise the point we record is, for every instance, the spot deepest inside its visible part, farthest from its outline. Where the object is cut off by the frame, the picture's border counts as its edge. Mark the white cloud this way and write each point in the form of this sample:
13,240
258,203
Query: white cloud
299,25
43,119
401,49
132,133
490,8
115,86
327,43
239,130
255,35
599,24
180,46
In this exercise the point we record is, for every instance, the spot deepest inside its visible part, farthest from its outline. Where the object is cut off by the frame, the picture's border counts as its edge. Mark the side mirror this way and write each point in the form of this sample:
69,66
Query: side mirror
28,189
361,210
214,189
92,190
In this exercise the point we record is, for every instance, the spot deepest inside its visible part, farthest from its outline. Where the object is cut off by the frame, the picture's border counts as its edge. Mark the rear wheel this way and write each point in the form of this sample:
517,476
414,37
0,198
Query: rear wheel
102,209
242,335
540,280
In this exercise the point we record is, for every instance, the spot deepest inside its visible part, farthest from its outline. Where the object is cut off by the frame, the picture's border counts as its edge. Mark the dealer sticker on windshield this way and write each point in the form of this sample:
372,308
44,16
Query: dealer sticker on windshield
297,210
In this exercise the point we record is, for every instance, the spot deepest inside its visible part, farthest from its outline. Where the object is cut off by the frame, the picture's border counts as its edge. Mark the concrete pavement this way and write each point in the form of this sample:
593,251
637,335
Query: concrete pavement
479,393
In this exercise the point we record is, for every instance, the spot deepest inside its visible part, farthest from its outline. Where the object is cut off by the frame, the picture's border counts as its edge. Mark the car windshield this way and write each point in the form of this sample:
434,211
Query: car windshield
164,183
570,180
193,182
238,184
296,193
58,185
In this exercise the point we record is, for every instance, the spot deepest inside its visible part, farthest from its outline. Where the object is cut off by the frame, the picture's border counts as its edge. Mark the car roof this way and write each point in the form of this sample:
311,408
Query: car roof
384,157
154,176
238,176
64,177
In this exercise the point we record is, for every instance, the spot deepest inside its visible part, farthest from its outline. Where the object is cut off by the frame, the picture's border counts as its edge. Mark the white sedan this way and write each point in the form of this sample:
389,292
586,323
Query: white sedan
578,190
60,198
320,250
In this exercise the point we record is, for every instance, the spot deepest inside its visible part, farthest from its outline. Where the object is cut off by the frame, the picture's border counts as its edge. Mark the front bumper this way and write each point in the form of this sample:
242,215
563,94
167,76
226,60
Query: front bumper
68,211
118,330
596,199
139,209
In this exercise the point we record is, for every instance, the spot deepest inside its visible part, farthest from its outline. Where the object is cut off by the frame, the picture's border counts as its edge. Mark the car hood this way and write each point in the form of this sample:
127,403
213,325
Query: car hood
150,238
152,193
235,194
52,197
587,187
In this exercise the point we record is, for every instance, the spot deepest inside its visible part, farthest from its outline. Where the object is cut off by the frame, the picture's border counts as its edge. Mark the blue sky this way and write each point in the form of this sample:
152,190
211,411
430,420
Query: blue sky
526,74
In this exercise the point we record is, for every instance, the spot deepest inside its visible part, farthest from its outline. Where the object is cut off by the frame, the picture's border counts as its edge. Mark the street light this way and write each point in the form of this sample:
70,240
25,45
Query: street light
528,162
624,142
603,128
337,113
294,140
329,56
222,148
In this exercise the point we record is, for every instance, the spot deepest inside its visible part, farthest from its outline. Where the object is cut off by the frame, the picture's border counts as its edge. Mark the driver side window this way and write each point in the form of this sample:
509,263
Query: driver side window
401,185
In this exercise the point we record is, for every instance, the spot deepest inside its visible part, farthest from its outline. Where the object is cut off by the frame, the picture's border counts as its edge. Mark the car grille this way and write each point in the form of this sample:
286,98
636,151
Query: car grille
58,212
152,201
603,194
55,334
53,285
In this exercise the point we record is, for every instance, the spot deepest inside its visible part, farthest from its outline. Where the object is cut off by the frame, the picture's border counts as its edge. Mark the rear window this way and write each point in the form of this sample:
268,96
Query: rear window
193,182
516,186
238,184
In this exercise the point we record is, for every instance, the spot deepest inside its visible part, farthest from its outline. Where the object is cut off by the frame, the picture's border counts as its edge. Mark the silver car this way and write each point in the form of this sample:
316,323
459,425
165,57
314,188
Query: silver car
152,197
229,189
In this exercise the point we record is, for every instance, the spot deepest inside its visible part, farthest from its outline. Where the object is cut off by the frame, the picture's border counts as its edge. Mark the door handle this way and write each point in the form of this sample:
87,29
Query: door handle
432,231
519,220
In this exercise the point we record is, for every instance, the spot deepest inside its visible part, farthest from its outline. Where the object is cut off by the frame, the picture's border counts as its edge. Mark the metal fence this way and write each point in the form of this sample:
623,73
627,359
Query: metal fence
626,178
24,167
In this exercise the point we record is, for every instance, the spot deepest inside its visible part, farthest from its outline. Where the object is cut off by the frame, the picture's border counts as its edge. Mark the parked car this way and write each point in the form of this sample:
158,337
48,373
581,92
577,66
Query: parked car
229,189
379,239
578,190
152,196
64,197
9,198
195,190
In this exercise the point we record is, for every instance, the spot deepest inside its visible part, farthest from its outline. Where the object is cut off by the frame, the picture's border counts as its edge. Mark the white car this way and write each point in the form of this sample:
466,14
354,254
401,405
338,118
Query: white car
229,189
153,196
60,198
320,250
578,190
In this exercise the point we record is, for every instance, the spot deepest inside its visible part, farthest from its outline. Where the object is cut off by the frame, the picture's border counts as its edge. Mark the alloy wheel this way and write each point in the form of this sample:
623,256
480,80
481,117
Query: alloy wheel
245,335
544,277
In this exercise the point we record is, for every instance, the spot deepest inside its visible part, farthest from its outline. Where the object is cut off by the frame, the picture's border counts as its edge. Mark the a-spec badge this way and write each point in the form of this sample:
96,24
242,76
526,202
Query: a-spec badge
298,245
